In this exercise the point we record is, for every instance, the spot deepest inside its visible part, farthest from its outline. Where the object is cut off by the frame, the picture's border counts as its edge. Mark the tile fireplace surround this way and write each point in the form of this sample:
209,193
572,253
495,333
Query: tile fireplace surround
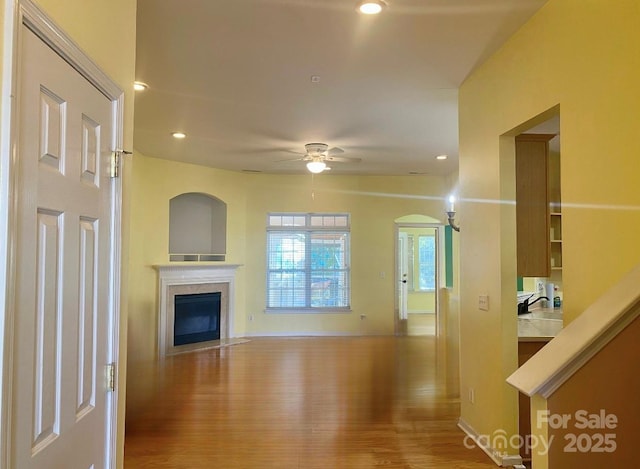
184,279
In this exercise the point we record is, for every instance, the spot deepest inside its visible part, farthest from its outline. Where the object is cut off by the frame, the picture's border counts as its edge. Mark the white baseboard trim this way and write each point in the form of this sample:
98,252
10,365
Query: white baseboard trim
309,334
503,460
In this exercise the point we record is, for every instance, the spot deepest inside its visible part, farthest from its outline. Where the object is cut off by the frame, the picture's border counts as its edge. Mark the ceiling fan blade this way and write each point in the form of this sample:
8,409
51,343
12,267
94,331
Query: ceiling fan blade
290,159
342,159
318,152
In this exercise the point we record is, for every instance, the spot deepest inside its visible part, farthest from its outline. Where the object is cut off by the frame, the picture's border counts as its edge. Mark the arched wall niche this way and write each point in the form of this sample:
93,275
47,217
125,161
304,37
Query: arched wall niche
197,228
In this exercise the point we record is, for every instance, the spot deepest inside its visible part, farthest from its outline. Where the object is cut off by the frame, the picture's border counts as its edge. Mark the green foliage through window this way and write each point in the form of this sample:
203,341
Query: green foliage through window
427,262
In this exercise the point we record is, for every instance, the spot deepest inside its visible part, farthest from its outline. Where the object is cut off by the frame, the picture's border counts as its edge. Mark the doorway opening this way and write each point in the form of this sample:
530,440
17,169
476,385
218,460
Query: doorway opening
535,173
418,277
540,277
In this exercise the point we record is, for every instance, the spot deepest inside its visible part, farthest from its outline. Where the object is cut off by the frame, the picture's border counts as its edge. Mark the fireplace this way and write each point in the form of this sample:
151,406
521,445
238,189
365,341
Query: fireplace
196,307
196,318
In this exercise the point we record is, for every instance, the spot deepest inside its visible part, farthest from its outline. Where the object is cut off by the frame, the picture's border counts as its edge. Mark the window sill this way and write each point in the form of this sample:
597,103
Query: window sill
307,310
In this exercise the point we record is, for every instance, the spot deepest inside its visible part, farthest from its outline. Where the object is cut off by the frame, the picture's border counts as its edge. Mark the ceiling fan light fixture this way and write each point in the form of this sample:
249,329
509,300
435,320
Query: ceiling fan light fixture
316,166
371,7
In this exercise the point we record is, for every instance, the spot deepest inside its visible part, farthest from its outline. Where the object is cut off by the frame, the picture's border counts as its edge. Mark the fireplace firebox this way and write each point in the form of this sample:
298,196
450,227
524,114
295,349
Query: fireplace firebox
197,318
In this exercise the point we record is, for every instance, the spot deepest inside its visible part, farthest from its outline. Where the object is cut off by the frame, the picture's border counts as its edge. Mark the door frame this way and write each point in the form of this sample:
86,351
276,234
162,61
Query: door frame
19,13
440,280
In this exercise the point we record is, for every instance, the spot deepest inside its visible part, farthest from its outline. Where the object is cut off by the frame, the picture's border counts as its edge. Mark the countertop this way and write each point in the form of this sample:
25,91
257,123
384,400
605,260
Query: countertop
539,325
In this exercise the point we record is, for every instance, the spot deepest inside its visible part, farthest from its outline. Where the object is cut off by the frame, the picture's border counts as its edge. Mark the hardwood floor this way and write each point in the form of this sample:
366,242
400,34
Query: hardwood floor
304,403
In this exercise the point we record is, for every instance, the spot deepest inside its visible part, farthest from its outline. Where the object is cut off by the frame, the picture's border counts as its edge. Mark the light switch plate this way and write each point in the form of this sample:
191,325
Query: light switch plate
483,302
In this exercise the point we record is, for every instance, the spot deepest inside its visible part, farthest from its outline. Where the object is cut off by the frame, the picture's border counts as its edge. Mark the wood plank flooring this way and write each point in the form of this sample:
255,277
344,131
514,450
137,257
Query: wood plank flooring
304,403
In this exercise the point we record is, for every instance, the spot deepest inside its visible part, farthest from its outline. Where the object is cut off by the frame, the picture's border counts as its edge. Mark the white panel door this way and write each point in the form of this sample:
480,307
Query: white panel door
59,398
403,275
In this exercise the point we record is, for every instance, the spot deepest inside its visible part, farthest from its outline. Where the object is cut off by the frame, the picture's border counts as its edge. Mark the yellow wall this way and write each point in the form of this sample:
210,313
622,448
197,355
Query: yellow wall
421,302
373,202
583,57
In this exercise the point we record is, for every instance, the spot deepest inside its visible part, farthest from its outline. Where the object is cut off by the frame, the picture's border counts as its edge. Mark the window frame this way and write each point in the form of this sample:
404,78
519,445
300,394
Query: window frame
434,264
309,228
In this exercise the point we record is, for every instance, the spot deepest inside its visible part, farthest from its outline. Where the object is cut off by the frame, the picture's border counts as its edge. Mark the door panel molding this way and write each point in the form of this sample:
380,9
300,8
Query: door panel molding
18,15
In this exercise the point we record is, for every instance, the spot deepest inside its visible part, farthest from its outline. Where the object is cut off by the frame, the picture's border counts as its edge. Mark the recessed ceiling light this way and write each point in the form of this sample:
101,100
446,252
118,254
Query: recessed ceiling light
441,157
178,135
371,7
139,86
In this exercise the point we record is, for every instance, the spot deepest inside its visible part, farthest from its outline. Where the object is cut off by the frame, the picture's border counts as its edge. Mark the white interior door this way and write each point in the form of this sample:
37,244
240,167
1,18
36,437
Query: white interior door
403,275
60,403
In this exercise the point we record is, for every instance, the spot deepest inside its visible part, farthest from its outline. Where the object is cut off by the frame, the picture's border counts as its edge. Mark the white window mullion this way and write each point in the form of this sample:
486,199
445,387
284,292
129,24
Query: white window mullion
308,270
292,282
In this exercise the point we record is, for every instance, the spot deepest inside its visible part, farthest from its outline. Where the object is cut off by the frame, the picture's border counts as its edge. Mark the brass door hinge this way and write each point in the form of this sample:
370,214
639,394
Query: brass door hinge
111,377
114,170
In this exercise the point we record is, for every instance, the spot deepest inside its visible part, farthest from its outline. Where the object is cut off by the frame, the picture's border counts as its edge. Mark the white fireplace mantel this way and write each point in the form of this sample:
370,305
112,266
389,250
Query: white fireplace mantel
192,278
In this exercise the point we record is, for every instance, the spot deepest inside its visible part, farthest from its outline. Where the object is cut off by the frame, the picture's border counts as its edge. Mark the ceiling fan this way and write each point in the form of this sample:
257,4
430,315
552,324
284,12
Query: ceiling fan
318,155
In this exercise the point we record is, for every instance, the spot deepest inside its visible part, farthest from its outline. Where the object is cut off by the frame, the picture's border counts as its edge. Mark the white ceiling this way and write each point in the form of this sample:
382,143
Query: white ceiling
236,77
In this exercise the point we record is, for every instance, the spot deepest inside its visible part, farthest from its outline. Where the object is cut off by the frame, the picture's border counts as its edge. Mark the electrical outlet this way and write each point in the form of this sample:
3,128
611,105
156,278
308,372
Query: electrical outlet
483,302
472,396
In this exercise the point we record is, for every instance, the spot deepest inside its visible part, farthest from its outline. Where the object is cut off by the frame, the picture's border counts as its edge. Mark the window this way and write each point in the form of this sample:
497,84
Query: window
308,261
427,262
